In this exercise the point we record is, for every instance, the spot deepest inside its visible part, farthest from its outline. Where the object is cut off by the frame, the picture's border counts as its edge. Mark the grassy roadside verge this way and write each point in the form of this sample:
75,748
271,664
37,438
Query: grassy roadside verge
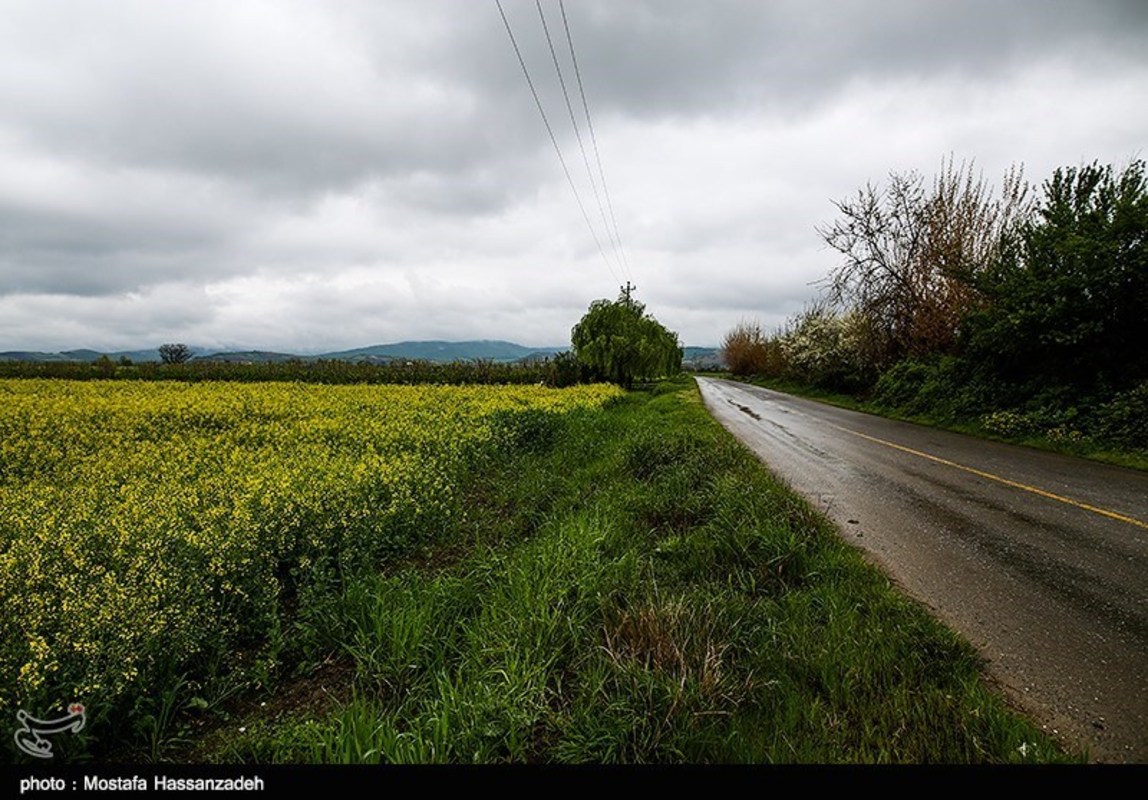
631,586
1080,448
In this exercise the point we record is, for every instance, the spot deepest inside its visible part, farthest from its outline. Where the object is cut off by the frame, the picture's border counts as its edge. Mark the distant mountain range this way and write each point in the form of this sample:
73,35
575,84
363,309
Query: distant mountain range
483,349
83,355
702,358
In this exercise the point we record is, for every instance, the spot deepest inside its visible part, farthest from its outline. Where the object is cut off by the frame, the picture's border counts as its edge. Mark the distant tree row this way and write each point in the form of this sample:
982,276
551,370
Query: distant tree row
954,297
561,370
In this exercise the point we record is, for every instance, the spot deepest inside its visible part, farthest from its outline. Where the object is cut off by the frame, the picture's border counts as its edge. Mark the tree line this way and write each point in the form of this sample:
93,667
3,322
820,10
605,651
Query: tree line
559,370
1020,306
615,341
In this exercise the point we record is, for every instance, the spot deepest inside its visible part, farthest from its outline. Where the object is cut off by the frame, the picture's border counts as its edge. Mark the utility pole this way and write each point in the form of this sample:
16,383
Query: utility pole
627,290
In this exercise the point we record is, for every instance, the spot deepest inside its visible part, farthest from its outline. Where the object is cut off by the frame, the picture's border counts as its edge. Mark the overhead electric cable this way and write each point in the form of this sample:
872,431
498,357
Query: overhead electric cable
578,135
593,138
553,139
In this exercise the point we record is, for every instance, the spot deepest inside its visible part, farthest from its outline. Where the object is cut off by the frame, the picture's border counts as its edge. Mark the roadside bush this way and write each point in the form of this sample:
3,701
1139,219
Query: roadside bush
745,349
900,385
829,350
1124,419
942,388
1008,423
1051,421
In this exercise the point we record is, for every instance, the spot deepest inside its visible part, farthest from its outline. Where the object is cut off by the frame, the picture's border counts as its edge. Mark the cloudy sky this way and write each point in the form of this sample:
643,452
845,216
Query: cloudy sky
310,176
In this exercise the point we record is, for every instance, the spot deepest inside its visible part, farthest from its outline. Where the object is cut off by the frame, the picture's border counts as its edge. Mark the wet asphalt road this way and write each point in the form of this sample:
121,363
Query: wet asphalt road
1040,560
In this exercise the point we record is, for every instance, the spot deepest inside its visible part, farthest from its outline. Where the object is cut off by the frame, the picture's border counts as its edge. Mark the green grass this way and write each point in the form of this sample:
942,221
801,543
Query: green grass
1082,448
636,588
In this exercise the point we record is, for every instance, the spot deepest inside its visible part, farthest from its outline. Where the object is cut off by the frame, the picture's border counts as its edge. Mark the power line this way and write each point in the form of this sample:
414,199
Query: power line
578,134
593,138
553,139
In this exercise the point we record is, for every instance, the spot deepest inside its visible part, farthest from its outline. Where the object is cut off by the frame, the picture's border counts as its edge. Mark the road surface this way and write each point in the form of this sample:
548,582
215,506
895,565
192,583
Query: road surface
1039,559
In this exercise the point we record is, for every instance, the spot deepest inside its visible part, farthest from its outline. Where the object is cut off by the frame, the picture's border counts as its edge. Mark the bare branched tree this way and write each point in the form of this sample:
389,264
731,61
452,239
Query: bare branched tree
174,353
913,255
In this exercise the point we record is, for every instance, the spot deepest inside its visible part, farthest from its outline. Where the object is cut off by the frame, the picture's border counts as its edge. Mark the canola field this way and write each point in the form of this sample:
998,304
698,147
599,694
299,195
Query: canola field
151,531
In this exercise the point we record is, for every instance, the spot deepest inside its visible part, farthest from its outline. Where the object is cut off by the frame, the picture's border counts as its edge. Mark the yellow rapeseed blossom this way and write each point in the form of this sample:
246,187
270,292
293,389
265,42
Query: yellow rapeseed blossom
144,524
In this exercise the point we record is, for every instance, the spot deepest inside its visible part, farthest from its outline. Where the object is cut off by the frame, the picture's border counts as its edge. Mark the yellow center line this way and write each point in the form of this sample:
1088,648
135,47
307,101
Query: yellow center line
999,479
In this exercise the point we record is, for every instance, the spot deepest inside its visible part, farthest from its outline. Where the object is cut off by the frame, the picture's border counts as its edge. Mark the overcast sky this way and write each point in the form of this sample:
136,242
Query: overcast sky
310,176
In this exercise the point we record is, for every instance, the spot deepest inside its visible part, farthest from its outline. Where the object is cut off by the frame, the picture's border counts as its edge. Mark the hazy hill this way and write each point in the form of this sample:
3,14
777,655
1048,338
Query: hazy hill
702,358
252,357
486,350
29,355
534,356
139,356
80,355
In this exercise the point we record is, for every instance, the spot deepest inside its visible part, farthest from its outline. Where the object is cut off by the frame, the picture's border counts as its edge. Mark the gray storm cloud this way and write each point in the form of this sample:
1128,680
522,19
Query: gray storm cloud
308,176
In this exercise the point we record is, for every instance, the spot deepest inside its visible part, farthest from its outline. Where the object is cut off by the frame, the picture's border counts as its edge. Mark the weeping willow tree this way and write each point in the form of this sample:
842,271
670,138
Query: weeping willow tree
618,341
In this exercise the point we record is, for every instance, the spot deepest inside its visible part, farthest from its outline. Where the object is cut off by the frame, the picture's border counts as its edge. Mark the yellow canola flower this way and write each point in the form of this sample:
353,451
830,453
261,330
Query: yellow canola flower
143,524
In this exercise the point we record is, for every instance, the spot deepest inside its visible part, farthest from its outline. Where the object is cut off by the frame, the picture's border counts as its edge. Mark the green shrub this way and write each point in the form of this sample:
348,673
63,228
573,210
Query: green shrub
901,384
1124,419
1008,423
